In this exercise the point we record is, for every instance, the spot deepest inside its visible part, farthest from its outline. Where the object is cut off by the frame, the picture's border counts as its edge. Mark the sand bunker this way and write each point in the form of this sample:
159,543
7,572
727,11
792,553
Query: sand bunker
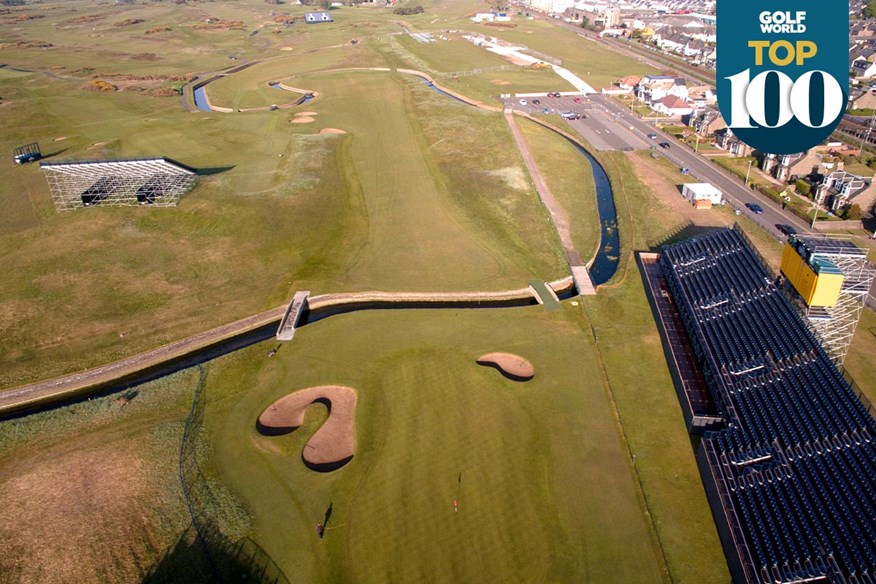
302,120
306,114
331,131
59,138
500,82
334,443
512,366
96,145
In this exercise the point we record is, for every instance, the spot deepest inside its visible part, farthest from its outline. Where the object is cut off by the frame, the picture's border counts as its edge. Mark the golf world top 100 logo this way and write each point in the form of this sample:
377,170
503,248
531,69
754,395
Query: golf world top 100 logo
782,71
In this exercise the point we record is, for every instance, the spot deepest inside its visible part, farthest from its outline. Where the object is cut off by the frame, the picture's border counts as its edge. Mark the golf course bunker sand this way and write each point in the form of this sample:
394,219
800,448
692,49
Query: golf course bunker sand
331,131
334,443
306,114
302,120
510,365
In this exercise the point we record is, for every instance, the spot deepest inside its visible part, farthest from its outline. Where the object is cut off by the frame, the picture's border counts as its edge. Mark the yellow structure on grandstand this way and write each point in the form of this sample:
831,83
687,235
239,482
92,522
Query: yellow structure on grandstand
816,279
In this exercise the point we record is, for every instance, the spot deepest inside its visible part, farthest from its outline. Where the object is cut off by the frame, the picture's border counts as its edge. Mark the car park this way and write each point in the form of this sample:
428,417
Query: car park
755,208
664,144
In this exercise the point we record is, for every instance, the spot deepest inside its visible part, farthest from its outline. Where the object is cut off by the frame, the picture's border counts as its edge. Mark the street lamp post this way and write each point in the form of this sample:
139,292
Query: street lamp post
817,203
748,173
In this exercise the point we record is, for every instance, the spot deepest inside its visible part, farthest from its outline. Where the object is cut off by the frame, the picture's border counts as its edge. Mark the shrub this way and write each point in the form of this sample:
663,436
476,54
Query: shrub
98,85
803,187
852,213
408,10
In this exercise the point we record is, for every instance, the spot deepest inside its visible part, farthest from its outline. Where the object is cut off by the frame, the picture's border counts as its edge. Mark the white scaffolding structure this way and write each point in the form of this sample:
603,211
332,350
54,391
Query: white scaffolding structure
835,325
150,181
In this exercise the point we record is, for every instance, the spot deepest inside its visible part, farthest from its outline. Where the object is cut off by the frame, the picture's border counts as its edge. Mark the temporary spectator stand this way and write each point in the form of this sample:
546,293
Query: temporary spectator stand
792,476
152,181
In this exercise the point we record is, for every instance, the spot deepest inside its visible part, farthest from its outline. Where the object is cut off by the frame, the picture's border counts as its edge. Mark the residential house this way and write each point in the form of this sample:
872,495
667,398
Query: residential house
702,95
672,105
706,121
789,167
863,100
841,188
727,140
655,87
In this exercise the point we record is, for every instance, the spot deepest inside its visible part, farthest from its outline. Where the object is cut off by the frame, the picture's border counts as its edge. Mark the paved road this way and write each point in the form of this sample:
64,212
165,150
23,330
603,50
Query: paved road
706,171
598,126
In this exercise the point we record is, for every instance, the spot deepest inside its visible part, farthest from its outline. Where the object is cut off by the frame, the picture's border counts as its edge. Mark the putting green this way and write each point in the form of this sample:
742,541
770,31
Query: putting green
544,490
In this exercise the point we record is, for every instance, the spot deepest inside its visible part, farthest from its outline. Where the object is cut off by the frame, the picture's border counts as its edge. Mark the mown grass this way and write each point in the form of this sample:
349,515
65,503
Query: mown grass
291,210
629,348
545,493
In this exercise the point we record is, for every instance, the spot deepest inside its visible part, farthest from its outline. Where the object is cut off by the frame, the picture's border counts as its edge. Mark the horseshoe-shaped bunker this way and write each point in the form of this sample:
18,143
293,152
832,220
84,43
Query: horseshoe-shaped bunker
334,443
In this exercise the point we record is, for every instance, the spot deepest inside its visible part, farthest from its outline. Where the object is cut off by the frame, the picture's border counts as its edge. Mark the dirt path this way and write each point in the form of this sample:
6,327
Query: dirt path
557,214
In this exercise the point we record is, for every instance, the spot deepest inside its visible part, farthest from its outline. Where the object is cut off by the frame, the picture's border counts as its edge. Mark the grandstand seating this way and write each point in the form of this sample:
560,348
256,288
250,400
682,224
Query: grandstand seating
795,467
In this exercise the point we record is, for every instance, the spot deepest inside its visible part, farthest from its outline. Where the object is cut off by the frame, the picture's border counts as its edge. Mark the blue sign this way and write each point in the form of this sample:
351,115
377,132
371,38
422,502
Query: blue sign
783,71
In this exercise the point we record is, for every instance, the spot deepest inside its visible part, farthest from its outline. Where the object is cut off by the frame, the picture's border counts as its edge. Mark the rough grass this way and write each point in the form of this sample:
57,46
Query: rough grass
594,63
569,177
94,485
546,493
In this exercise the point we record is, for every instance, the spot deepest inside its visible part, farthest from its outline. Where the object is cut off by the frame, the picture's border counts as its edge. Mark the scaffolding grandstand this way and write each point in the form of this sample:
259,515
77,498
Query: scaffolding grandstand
791,476
150,181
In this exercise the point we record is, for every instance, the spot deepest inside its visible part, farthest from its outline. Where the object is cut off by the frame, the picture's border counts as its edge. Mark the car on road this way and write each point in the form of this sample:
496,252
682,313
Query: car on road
522,102
577,100
652,136
553,94
786,229
755,208
536,102
664,145
685,170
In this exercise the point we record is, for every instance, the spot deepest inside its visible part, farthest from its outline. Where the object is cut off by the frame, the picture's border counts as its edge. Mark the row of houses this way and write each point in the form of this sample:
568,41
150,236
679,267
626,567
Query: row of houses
668,95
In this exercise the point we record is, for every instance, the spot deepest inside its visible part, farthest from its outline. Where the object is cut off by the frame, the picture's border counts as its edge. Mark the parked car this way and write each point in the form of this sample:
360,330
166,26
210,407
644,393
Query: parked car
786,229
755,208
577,100
652,136
685,170
522,102
536,102
664,144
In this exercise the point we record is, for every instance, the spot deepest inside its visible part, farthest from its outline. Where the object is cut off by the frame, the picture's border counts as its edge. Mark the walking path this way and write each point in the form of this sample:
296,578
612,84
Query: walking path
138,367
558,215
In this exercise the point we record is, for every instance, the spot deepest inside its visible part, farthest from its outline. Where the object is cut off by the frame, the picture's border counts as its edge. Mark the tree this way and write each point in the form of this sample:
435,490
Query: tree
585,22
853,213
498,5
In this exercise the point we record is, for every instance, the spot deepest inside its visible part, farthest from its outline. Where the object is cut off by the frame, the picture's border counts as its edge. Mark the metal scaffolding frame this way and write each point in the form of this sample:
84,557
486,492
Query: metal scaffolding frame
835,325
159,182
